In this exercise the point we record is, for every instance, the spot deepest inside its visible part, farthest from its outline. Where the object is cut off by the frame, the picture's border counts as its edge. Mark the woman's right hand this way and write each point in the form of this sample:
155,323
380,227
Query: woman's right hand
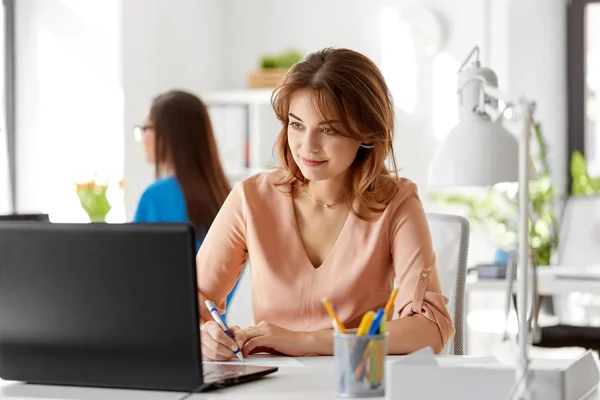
216,345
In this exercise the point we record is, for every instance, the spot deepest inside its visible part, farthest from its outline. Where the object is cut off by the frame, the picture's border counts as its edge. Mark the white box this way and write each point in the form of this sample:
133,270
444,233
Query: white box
424,376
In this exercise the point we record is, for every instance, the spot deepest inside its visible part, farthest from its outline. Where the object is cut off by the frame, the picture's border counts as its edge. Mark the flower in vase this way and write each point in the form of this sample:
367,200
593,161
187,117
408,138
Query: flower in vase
93,199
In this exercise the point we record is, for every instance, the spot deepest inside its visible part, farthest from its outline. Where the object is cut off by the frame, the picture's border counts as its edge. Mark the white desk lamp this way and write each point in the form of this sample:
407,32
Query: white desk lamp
479,151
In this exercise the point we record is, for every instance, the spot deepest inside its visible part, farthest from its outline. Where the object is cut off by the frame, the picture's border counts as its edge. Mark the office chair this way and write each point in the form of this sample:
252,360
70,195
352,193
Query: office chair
450,237
579,244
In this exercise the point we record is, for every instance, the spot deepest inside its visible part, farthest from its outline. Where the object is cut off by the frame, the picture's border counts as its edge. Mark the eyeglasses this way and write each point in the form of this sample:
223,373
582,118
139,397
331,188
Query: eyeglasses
140,130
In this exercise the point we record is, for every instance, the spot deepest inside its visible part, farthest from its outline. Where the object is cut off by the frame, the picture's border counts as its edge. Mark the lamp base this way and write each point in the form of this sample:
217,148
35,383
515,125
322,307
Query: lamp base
476,378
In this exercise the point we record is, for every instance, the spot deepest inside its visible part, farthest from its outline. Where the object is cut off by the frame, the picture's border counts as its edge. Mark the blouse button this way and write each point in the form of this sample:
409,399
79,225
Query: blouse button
424,275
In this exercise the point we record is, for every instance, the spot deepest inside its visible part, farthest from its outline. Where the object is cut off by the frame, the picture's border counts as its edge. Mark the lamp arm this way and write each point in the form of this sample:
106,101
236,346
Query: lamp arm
474,51
525,296
523,266
523,107
491,91
494,92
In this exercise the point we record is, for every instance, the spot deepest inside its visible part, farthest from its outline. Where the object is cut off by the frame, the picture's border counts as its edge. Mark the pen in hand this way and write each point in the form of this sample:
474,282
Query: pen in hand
215,314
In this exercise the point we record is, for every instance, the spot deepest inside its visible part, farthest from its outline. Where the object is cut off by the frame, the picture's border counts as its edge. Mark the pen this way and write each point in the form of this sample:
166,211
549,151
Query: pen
215,314
374,328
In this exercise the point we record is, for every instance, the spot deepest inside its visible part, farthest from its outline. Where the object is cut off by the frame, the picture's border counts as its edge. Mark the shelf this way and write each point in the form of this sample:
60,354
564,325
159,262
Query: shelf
241,96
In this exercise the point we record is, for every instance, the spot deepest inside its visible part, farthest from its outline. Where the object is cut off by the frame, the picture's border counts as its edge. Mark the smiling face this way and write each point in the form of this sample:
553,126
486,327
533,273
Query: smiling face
319,152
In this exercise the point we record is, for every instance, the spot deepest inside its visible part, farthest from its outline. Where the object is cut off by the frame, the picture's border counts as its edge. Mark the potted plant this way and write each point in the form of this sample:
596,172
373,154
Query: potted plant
272,69
93,198
583,183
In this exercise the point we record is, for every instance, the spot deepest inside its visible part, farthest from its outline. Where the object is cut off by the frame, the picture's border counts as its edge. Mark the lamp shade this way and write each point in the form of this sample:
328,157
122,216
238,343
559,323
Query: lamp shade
477,152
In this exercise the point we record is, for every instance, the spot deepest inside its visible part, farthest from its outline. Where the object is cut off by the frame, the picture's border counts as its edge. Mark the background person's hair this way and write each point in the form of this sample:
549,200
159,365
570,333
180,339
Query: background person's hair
185,141
348,87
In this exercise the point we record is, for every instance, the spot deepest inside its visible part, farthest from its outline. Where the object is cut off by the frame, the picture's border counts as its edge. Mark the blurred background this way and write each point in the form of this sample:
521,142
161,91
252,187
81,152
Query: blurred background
79,74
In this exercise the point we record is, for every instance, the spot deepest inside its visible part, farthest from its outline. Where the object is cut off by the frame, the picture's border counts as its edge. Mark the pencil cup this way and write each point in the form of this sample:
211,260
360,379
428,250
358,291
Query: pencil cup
359,364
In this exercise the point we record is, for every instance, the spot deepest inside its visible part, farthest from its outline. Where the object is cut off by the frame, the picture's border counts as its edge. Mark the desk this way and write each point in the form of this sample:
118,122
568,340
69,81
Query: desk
21,391
548,284
313,382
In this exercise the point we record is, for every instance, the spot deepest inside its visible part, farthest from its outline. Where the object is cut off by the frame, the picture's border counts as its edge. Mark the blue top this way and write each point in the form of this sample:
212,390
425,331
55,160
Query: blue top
163,201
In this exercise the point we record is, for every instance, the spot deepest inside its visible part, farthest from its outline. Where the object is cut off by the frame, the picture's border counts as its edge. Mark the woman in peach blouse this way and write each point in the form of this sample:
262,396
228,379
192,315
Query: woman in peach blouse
332,222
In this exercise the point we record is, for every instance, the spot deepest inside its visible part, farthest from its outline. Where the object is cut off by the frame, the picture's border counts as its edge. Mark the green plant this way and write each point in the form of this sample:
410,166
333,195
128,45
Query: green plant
268,62
284,60
583,183
497,208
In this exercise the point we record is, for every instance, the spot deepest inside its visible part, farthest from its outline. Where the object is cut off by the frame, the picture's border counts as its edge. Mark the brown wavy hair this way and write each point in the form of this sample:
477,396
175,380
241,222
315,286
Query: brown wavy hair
185,139
346,86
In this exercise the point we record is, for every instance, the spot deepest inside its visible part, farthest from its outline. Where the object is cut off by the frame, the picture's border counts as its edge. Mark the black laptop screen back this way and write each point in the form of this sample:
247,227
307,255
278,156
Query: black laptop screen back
25,217
99,305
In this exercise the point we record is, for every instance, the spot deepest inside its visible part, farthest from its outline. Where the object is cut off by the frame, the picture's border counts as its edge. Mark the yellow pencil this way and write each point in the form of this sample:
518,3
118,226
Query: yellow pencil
390,304
365,324
333,315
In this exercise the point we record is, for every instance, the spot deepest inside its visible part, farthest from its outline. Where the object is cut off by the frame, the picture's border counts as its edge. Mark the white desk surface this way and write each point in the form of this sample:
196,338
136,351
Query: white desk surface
549,283
313,382
21,391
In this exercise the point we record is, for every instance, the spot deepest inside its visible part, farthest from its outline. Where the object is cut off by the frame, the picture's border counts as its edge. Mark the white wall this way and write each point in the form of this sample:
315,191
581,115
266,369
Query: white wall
206,45
538,70
69,100
269,26
166,45
528,54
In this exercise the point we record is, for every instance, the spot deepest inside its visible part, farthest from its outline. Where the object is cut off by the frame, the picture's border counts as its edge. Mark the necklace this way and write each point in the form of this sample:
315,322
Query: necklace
319,203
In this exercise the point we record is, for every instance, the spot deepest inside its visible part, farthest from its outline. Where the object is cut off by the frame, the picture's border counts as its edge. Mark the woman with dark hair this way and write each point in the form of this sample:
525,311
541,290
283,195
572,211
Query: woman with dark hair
190,183
333,221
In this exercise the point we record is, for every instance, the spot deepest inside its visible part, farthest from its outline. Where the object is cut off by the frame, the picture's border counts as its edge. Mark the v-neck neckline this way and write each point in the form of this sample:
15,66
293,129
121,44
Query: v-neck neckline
301,241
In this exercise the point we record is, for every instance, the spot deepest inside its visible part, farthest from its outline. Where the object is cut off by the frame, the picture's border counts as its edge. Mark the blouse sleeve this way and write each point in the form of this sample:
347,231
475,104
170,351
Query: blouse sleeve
419,288
222,255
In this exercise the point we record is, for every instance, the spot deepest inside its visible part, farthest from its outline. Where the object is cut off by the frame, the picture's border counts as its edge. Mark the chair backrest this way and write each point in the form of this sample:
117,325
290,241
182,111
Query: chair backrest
579,239
579,245
450,237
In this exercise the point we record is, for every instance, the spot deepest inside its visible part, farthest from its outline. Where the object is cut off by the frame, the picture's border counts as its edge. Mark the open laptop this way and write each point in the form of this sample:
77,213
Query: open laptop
105,305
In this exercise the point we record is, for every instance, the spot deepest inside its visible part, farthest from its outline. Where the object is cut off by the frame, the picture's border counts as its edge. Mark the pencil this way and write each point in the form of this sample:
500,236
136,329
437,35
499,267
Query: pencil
333,315
390,304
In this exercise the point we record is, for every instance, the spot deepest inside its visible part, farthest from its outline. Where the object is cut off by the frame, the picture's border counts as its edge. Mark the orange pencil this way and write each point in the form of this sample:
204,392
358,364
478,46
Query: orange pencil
390,304
333,315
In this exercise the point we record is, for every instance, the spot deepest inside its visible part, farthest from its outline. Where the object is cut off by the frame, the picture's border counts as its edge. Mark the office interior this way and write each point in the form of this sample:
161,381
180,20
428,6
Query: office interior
79,74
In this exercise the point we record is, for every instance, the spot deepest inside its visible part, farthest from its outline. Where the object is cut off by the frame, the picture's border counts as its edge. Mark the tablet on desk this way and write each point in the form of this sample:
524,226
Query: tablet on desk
105,305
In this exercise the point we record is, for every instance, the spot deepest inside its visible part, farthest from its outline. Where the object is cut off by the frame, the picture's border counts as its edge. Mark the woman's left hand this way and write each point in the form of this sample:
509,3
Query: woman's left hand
269,338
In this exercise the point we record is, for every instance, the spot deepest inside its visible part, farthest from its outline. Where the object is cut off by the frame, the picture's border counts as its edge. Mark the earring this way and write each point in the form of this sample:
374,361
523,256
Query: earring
367,146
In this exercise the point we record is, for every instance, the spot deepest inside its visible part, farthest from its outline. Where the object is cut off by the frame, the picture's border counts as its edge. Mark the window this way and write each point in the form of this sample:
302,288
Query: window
583,47
69,51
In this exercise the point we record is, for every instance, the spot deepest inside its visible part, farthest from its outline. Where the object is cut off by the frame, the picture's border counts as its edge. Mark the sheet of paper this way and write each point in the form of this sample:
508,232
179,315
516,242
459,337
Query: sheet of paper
262,360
